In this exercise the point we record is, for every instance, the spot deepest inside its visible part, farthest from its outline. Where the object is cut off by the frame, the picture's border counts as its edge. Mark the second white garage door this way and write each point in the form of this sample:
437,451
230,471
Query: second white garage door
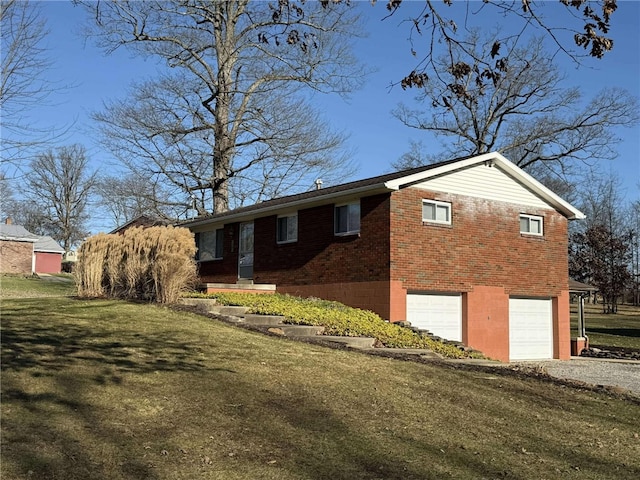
440,314
530,329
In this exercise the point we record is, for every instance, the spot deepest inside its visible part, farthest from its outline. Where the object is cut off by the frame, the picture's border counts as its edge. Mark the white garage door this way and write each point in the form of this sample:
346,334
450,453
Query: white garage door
530,329
440,314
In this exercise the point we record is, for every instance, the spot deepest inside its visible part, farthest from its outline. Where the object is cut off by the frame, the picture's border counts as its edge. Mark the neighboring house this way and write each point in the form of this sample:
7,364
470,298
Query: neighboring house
140,221
16,249
48,255
24,253
473,249
71,256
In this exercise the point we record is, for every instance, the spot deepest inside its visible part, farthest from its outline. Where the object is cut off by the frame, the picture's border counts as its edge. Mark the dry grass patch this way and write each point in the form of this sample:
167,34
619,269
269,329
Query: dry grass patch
109,390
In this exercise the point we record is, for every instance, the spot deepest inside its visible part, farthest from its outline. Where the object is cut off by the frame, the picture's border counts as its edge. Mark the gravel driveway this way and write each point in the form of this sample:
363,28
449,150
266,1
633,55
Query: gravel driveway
614,373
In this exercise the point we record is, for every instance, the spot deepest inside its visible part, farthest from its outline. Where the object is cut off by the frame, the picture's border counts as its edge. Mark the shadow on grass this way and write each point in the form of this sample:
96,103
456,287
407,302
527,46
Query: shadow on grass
55,428
51,361
37,445
56,345
619,332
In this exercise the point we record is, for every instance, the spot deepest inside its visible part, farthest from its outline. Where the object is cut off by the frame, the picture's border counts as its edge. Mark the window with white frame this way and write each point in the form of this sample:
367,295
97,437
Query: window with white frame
434,211
531,224
287,228
210,245
347,219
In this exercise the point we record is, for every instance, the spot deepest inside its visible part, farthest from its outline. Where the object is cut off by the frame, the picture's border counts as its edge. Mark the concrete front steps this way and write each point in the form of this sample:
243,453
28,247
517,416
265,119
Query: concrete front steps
274,324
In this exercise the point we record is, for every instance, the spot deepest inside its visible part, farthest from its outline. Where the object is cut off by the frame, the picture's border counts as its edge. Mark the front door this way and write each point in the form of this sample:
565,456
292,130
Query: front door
245,254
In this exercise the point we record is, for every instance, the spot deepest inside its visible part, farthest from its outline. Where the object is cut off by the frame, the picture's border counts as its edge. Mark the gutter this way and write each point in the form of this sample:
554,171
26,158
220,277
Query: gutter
19,239
307,202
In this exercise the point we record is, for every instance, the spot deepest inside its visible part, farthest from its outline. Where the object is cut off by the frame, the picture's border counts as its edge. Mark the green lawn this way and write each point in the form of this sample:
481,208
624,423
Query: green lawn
12,286
110,390
620,329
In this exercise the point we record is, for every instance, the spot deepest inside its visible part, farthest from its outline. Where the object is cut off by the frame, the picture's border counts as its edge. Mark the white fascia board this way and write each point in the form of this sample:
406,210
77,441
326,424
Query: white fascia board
291,206
571,212
513,170
18,239
436,172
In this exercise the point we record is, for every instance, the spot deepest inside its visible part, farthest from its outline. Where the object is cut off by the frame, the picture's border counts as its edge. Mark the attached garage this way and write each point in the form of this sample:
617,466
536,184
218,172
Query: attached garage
440,314
530,329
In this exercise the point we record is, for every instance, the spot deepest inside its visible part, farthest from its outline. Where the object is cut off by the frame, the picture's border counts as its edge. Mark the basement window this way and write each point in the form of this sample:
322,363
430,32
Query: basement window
531,224
434,211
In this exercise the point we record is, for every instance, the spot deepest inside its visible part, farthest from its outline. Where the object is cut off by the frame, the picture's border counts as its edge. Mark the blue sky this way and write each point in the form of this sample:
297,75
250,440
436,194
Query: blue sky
376,137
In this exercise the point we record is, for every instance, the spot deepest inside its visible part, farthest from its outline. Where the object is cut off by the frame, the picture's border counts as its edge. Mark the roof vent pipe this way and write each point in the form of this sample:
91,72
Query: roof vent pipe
318,183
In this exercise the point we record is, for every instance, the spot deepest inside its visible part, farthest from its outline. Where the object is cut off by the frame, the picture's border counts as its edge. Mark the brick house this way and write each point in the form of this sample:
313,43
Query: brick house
473,249
22,252
16,249
143,221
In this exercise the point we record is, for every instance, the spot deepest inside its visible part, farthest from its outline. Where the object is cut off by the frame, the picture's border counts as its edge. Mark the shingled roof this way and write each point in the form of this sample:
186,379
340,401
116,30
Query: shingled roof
47,244
365,184
387,183
16,233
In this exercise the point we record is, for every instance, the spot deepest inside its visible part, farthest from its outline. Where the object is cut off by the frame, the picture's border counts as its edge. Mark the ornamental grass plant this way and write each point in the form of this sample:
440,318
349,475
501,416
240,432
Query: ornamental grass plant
153,264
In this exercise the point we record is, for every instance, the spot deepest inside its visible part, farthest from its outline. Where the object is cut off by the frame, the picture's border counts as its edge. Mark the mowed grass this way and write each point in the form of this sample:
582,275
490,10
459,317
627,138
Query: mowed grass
111,390
20,286
620,329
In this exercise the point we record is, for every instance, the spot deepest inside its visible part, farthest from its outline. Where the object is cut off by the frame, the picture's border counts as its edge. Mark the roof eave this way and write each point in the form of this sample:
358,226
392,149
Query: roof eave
296,204
19,239
564,207
551,198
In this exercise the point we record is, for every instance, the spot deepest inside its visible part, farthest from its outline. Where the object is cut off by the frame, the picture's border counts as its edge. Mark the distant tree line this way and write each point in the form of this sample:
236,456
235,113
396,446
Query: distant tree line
604,250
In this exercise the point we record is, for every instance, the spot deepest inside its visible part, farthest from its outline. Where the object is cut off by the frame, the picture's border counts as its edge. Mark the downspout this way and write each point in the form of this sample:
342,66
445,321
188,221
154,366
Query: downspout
581,325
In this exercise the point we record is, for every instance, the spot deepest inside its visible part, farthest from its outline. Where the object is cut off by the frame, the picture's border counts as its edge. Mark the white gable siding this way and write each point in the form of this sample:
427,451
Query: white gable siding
484,182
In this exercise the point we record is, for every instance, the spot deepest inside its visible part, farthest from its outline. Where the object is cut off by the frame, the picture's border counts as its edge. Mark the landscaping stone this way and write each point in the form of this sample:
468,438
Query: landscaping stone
228,310
611,353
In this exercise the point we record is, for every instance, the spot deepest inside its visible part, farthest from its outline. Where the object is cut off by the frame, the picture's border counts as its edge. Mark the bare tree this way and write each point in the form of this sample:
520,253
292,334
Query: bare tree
601,247
525,111
7,198
635,251
128,196
230,115
23,85
584,24
602,257
59,186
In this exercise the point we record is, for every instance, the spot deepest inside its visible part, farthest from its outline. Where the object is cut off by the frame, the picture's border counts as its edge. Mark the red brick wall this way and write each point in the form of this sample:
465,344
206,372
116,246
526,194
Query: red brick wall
372,296
320,257
224,270
561,327
16,257
485,321
483,246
